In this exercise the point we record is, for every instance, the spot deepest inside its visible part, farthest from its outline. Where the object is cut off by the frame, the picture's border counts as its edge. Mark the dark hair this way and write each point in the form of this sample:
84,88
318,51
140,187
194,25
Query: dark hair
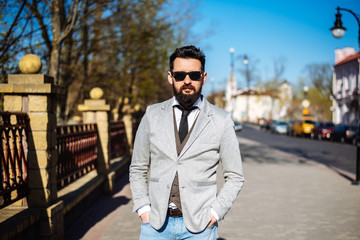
188,52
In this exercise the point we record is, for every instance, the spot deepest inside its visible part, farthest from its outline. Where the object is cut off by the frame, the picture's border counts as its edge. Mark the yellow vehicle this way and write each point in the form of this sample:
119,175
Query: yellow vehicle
303,127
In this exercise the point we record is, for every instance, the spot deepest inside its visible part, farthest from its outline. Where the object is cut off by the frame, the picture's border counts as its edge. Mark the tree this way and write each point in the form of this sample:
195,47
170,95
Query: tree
272,86
17,33
320,104
120,46
133,38
320,75
250,71
62,15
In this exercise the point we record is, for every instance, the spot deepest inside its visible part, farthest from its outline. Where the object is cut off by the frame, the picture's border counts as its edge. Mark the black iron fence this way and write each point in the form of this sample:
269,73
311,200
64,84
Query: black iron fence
13,157
77,152
118,139
77,147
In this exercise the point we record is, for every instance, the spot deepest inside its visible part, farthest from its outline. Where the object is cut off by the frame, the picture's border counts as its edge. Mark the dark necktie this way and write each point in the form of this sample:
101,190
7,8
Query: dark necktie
183,129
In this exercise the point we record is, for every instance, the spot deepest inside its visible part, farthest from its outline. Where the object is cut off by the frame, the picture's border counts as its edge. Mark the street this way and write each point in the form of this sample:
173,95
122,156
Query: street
332,154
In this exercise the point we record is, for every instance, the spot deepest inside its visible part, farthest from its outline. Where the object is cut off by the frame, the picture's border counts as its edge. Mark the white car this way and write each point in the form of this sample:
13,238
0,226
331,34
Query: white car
238,126
279,126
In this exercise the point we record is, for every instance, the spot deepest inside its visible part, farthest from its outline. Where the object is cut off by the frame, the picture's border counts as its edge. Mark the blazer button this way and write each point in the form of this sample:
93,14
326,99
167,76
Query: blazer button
173,195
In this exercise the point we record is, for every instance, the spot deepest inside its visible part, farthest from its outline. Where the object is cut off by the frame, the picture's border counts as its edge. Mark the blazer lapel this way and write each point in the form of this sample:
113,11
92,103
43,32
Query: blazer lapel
167,126
200,124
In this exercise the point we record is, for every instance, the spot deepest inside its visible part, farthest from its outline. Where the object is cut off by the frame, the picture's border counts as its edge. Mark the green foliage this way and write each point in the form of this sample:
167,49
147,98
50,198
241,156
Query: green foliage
120,46
320,77
320,104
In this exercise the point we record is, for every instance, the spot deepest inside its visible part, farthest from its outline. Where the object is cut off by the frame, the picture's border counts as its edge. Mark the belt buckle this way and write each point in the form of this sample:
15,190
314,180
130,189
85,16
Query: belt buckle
174,213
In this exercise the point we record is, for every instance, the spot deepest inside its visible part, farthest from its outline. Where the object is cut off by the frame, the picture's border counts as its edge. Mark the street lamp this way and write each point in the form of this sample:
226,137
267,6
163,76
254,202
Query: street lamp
338,30
231,87
246,62
247,77
232,51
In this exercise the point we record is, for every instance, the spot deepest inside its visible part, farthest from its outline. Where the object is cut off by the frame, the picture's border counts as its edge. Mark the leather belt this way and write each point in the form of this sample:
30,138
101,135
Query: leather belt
174,213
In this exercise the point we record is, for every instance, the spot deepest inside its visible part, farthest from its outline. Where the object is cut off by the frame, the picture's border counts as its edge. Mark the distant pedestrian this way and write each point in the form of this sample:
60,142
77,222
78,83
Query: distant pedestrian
180,143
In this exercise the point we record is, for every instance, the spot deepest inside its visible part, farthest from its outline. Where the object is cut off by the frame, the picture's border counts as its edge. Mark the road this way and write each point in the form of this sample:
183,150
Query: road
339,155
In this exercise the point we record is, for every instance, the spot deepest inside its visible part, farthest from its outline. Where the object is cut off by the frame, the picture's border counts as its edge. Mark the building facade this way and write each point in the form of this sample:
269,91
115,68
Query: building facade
252,104
346,87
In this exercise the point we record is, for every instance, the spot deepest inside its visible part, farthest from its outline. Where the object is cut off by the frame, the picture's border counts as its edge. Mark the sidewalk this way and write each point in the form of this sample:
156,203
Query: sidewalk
283,198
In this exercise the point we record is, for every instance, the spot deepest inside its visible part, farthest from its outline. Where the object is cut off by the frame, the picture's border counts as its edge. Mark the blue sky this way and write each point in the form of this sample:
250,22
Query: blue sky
297,31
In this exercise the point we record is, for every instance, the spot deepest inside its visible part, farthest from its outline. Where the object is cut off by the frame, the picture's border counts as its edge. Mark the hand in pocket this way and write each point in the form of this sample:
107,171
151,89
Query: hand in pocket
145,217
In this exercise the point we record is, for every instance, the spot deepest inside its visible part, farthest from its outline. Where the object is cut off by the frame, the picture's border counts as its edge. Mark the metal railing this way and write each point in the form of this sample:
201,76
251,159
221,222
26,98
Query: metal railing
77,149
118,139
13,157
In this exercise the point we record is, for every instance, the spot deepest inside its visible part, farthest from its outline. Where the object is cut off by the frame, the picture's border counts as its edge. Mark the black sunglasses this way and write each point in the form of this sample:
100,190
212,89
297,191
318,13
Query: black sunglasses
180,76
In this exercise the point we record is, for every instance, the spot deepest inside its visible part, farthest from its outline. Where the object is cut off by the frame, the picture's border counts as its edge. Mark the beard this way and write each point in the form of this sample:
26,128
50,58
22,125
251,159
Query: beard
187,100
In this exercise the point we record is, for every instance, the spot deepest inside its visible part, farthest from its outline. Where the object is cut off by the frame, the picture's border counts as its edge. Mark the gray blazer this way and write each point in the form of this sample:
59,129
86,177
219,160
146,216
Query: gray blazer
213,139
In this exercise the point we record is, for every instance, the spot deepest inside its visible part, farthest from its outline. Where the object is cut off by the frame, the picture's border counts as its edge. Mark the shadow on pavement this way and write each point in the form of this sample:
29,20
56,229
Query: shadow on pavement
342,174
101,208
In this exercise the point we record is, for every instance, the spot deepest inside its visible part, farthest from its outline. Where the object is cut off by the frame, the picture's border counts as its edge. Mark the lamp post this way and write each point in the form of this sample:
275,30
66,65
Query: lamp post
246,62
338,31
232,51
231,87
247,78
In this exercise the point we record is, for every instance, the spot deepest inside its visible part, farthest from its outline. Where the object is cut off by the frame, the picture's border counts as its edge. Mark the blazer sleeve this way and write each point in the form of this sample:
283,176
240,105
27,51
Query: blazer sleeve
230,158
140,165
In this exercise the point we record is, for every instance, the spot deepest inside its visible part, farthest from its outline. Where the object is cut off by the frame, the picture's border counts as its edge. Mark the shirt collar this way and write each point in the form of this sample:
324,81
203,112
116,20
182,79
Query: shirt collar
196,104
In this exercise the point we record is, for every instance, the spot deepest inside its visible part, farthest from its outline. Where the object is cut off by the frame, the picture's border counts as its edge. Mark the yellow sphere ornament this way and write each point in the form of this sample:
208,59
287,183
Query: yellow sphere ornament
96,93
30,64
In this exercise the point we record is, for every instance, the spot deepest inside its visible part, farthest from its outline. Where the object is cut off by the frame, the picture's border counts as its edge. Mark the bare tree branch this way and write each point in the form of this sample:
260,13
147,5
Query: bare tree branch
70,27
47,3
7,36
12,43
34,9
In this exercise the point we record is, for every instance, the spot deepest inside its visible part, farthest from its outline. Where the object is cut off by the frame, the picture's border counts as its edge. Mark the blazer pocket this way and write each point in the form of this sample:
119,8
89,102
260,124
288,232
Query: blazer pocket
205,184
209,140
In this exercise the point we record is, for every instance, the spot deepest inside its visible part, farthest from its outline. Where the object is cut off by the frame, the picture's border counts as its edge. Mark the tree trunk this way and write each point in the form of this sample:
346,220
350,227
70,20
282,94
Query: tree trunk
56,21
55,62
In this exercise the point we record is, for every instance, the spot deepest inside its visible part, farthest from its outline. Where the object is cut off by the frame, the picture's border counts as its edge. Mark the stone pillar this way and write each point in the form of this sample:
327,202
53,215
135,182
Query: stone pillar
35,94
128,122
95,110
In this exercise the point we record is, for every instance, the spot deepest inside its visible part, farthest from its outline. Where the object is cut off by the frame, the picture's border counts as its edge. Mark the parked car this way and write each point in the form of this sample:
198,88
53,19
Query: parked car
278,126
264,124
303,127
322,130
290,128
238,126
344,133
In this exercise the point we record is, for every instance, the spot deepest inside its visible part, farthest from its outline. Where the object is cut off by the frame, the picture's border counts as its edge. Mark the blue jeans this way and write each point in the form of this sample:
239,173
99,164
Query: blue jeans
174,228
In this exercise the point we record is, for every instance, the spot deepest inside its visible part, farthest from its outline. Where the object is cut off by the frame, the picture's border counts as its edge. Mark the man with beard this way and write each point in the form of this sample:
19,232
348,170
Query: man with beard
177,149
